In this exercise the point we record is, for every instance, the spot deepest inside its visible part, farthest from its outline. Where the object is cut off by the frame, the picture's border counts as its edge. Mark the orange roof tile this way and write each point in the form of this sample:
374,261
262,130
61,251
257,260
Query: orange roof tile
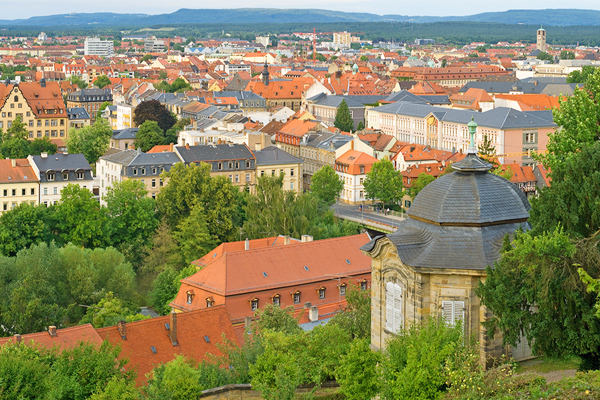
192,328
353,160
21,172
65,338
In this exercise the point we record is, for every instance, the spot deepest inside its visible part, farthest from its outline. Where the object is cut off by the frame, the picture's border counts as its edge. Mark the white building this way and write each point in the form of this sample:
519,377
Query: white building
342,40
98,47
57,171
352,167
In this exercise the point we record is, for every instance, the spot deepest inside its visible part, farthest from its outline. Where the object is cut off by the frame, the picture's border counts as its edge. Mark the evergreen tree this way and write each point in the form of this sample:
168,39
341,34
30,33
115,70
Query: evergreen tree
343,119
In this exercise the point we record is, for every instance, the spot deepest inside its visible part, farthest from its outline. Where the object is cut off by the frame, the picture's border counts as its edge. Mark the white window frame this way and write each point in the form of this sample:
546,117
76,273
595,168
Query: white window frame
453,311
394,315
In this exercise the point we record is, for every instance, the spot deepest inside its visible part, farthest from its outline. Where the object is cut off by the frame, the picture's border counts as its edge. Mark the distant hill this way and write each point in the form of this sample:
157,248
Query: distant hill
548,17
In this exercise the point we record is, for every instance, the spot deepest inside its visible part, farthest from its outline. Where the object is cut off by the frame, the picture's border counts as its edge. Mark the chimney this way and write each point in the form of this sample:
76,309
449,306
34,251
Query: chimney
13,162
187,146
352,144
286,240
171,147
173,328
313,314
52,330
247,244
18,338
121,329
307,238
247,322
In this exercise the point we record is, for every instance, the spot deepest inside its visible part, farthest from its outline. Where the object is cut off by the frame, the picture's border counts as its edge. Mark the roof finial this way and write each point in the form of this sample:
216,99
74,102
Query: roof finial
472,131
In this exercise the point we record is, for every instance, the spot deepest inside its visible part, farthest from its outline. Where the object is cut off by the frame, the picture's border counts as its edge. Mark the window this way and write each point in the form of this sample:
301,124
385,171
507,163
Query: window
363,285
362,170
160,182
23,192
39,121
12,105
153,170
31,123
32,191
135,171
292,172
210,302
297,298
237,178
45,190
190,297
453,311
54,190
50,176
65,176
393,307
276,300
254,304
220,166
153,182
29,115
291,185
80,174
143,171
343,289
362,180
321,293
247,177
230,178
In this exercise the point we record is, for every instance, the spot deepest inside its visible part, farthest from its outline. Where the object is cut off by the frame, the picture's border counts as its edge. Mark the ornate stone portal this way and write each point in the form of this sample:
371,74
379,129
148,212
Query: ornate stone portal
435,260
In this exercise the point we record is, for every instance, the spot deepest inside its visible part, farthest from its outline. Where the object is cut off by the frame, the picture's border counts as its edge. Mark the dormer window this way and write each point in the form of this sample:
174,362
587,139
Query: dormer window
190,296
50,176
363,285
321,291
276,300
254,304
65,176
210,301
80,174
296,297
343,289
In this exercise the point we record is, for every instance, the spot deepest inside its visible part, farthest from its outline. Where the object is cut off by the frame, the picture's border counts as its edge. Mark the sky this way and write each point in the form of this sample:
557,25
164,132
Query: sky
27,8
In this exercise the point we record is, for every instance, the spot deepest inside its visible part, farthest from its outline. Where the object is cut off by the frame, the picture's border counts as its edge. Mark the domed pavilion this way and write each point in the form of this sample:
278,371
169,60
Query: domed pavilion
435,260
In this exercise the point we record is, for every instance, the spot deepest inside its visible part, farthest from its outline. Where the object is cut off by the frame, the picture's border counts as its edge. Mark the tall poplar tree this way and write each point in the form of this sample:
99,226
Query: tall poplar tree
343,119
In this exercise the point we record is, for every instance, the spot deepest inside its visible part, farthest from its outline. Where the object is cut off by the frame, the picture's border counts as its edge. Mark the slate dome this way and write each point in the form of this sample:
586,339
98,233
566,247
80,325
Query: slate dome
470,197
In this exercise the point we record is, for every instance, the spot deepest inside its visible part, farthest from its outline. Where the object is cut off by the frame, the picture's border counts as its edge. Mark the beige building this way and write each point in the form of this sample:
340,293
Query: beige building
434,262
40,107
274,161
117,166
18,184
342,40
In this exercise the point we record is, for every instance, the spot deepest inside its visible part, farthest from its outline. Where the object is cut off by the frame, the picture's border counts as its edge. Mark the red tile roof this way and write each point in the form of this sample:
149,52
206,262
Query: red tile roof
65,338
192,328
353,160
22,172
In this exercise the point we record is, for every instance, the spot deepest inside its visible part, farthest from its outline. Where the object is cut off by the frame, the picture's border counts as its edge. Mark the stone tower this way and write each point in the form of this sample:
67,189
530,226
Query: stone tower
541,39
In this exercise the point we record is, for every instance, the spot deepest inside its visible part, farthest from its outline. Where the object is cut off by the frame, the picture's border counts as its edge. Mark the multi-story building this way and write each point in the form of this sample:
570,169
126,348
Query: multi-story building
353,167
40,107
318,150
56,171
342,40
154,46
274,161
97,47
234,161
123,139
514,134
90,100
18,184
117,166
78,117
124,116
324,107
311,276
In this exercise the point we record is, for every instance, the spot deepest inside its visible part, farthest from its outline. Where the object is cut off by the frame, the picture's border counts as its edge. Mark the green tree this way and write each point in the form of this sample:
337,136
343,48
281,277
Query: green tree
567,55
131,217
79,218
343,119
42,145
23,226
193,235
162,75
481,49
422,180
154,111
162,252
76,80
191,184
487,151
23,372
109,311
102,81
326,185
534,290
581,76
148,136
178,379
92,141
147,57
172,134
545,56
14,141
357,374
165,287
355,319
361,126
277,319
383,183
100,111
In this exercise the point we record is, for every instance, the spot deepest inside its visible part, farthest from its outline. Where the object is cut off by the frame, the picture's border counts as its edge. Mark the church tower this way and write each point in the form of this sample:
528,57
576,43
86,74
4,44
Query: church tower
265,74
541,39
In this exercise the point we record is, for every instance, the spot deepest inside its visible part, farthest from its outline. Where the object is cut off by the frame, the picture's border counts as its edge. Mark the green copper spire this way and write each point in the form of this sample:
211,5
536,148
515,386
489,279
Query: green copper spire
472,131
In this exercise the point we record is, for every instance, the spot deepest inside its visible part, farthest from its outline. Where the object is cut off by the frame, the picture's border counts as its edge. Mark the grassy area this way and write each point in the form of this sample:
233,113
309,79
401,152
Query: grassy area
545,365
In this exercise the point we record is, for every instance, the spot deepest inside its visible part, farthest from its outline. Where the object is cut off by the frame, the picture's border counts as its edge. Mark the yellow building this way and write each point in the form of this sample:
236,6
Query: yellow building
40,106
274,161
18,184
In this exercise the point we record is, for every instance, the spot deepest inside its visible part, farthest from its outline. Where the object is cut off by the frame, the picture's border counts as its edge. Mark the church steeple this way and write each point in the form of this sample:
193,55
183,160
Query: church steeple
265,74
